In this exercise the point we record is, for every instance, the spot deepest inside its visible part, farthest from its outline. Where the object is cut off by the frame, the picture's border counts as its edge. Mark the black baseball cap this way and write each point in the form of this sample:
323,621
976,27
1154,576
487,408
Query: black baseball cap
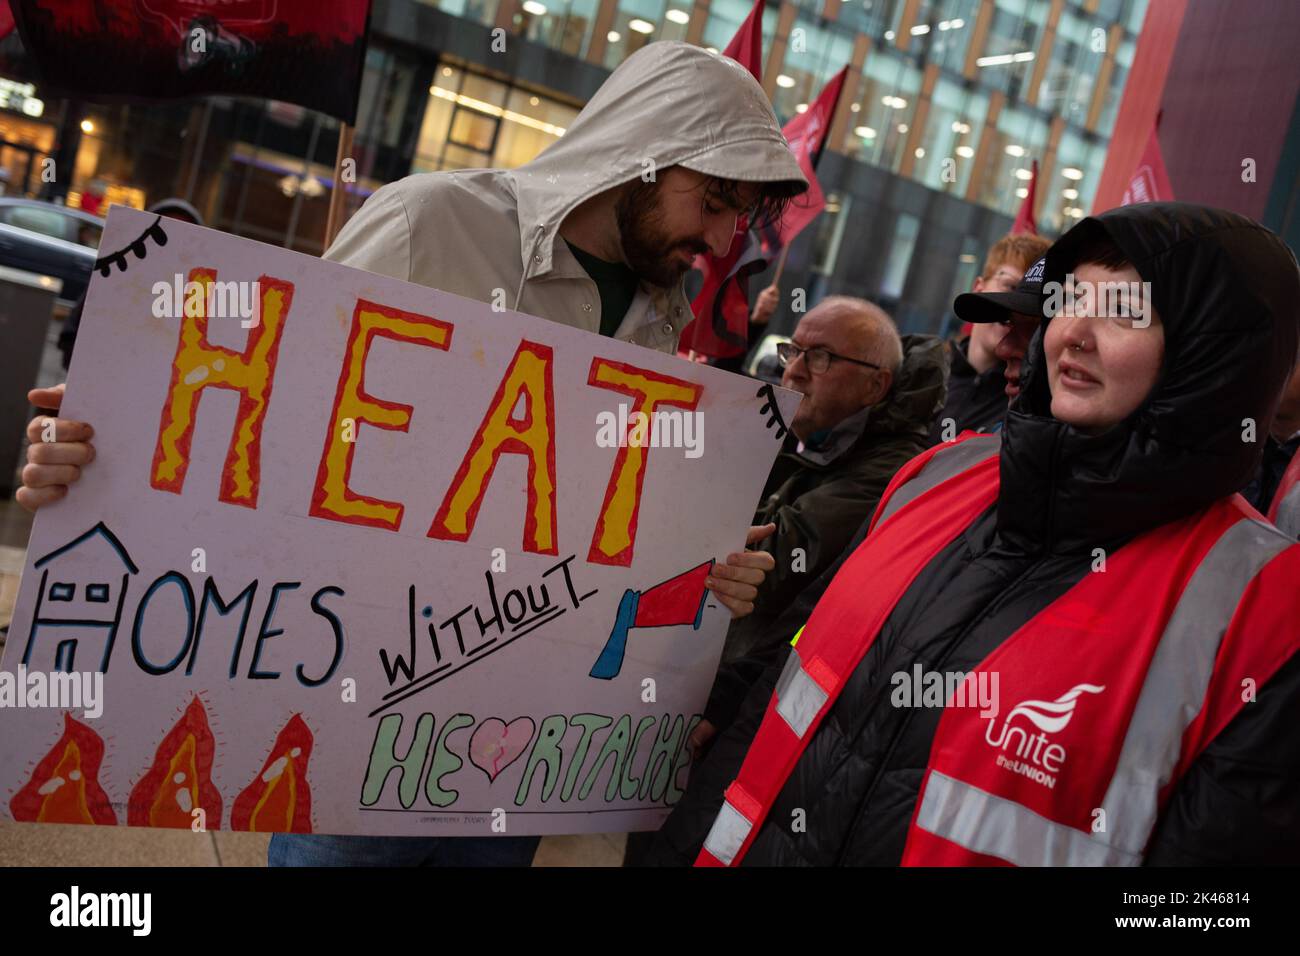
1027,298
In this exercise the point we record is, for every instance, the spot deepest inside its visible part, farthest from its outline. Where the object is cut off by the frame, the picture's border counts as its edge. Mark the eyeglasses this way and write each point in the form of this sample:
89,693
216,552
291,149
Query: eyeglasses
817,359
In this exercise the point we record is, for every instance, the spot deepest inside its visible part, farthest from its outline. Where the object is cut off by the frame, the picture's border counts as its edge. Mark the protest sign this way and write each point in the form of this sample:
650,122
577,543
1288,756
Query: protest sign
359,556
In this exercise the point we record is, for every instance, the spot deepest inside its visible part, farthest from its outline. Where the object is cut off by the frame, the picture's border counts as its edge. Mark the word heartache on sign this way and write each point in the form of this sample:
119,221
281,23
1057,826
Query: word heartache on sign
527,384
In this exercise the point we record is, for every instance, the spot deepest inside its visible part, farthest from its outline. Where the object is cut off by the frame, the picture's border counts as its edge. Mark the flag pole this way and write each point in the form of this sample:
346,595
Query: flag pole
780,263
334,220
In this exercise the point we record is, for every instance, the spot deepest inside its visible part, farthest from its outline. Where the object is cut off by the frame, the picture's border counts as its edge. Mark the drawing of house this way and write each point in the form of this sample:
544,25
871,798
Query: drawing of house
80,600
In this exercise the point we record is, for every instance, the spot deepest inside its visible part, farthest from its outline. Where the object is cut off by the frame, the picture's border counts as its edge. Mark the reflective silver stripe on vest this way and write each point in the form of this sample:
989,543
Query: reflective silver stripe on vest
1171,697
1288,512
798,696
728,834
946,463
984,823
1179,677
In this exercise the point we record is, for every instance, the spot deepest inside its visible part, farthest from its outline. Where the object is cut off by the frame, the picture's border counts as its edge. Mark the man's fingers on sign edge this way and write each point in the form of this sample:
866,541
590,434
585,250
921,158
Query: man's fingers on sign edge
741,575
33,498
737,607
65,430
763,560
50,398
43,476
741,590
60,453
760,531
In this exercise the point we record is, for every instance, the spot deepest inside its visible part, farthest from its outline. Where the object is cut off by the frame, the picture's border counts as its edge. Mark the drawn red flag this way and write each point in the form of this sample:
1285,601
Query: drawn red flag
677,601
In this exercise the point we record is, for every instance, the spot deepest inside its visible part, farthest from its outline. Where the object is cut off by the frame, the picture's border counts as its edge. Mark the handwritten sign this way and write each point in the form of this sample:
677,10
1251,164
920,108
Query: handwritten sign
358,556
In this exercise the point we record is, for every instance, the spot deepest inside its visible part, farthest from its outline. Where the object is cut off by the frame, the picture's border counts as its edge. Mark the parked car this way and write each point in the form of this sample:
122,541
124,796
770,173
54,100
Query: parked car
52,240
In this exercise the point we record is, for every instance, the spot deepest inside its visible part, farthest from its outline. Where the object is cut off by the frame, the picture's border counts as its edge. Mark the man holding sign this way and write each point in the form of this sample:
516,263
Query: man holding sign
596,234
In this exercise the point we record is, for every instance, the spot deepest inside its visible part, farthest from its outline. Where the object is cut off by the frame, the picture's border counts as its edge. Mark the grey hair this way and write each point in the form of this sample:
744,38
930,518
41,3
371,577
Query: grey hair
886,348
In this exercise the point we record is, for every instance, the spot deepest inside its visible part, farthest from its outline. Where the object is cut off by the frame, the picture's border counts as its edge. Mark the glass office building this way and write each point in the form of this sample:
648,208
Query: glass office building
947,104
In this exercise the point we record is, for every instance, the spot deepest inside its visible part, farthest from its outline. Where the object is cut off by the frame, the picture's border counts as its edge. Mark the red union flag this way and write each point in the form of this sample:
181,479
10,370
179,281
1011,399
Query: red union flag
1150,182
1025,218
746,47
721,307
308,52
806,134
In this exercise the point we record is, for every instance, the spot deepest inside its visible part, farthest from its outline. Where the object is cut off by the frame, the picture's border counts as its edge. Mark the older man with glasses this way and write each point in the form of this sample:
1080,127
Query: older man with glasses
869,400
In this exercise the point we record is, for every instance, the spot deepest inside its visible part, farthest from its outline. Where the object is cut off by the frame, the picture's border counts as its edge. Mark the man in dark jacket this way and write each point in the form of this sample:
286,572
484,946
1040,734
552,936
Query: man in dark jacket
1013,315
1064,493
977,387
869,399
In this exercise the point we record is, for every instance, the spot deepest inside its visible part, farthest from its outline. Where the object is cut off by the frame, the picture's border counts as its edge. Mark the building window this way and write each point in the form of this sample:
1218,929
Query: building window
1013,41
1067,197
565,26
878,127
878,19
638,22
1018,138
1071,76
943,30
472,121
480,11
901,247
830,233
950,138
1115,90
807,69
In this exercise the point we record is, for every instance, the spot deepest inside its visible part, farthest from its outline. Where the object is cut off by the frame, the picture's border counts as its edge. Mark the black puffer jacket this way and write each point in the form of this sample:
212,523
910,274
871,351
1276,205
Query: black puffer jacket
1228,293
977,401
817,499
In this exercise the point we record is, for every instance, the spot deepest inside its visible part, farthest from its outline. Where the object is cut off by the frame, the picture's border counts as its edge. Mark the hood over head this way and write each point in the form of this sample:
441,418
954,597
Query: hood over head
919,390
1227,292
670,104
175,205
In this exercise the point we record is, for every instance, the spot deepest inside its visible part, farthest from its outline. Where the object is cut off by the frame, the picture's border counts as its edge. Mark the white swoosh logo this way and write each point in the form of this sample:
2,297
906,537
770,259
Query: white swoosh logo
1050,716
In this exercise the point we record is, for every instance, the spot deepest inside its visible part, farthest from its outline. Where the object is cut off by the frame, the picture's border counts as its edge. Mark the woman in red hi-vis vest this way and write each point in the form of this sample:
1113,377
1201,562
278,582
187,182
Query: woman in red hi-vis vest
1071,643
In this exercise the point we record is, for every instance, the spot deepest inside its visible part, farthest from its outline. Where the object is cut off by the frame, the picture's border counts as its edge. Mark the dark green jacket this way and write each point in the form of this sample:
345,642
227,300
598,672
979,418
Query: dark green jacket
818,498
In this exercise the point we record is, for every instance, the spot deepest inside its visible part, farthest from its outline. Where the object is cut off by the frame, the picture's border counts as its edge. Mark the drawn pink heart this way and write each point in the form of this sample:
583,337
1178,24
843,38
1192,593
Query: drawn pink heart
495,744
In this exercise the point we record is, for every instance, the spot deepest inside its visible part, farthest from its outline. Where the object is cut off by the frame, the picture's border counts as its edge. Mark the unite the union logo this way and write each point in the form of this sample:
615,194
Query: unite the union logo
1034,755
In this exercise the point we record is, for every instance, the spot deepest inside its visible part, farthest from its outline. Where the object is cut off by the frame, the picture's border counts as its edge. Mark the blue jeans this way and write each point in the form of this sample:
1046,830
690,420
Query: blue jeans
310,849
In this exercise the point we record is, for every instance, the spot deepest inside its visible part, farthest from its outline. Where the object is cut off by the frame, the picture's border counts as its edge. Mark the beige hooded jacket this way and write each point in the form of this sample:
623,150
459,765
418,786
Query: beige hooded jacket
491,234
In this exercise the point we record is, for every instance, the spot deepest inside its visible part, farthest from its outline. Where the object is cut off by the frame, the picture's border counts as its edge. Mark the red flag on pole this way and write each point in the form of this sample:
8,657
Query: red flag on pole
806,134
1025,218
1150,182
746,47
722,307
